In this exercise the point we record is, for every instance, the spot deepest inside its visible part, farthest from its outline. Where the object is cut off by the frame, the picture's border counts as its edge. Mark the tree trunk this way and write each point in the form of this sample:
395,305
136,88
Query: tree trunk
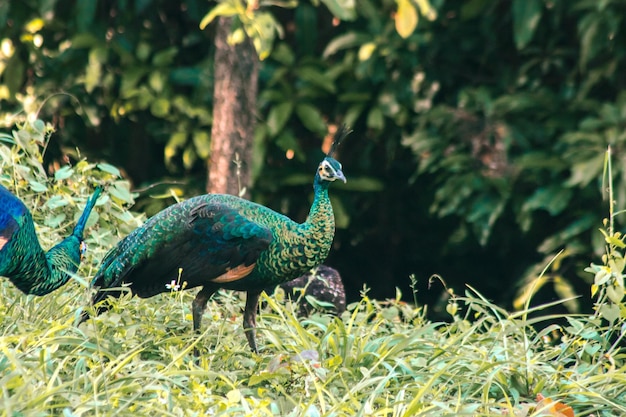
234,113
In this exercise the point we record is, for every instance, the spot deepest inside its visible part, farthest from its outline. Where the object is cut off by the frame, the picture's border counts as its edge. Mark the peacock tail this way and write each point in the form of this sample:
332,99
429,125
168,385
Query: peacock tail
23,261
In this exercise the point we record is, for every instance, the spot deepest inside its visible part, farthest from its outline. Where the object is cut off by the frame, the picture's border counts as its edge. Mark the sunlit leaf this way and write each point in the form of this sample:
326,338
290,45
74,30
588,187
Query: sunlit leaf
160,107
610,312
343,9
366,50
63,173
221,9
202,143
406,18
103,166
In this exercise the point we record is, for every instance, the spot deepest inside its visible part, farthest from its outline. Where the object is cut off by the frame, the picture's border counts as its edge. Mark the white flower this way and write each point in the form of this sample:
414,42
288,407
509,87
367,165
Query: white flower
174,286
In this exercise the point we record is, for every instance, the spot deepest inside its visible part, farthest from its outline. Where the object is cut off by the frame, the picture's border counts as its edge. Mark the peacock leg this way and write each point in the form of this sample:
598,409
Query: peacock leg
249,318
197,309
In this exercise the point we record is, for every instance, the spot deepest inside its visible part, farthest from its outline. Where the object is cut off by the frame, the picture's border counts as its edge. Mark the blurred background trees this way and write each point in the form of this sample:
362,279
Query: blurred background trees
480,126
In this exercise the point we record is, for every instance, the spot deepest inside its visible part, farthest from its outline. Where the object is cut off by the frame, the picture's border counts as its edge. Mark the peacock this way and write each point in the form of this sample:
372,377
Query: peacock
324,284
218,241
23,261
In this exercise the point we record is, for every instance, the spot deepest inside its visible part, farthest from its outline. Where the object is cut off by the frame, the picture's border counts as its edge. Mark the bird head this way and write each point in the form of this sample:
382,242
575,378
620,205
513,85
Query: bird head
330,169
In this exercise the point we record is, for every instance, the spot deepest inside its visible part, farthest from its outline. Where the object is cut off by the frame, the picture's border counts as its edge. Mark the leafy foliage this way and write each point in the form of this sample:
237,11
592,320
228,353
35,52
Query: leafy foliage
482,124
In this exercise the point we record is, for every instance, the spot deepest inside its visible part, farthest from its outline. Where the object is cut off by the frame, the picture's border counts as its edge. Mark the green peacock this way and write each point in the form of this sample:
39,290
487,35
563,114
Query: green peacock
23,261
222,241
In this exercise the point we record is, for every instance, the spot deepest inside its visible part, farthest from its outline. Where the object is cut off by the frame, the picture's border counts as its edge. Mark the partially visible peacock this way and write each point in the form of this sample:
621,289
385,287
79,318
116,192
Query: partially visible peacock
324,284
222,241
22,259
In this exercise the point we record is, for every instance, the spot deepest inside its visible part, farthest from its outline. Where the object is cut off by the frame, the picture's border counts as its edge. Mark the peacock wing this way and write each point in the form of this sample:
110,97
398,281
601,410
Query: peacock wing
212,242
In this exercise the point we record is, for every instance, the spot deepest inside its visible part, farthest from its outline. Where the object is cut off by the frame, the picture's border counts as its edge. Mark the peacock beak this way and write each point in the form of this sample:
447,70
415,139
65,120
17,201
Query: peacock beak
339,175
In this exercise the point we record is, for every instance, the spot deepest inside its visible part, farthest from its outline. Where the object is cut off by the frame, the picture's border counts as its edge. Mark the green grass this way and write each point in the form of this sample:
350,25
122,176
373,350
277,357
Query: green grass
374,361
378,359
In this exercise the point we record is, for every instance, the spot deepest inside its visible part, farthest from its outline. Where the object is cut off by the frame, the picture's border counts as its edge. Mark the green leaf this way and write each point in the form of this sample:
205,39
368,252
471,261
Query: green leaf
346,41
157,81
14,74
55,221
37,186
177,141
343,9
222,9
39,126
160,107
406,18
283,54
84,40
263,32
366,50
93,72
316,77
592,37
375,119
575,228
165,57
311,118
56,201
278,116
585,171
610,312
526,16
63,173
189,157
202,142
130,78
108,168
615,293
554,199
121,192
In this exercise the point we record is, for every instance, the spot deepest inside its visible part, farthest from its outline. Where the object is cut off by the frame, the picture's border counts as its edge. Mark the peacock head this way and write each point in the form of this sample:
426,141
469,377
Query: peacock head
330,169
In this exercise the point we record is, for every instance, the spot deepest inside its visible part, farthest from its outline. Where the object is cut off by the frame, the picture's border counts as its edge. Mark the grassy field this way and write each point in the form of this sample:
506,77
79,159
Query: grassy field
378,359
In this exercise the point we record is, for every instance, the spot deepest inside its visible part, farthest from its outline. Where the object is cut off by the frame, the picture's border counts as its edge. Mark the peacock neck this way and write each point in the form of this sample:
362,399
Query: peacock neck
41,273
320,223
